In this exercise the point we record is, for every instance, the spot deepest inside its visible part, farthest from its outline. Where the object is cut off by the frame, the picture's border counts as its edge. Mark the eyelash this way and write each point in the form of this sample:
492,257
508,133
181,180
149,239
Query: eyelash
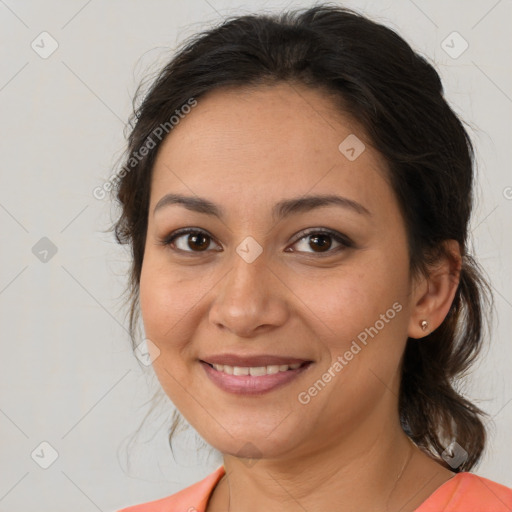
345,242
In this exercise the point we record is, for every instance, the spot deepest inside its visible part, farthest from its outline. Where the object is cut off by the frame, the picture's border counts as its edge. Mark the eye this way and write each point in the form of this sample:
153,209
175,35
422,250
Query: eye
321,239
193,240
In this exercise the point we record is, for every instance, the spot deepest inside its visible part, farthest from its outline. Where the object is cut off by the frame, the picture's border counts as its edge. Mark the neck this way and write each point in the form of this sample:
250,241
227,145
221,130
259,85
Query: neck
387,474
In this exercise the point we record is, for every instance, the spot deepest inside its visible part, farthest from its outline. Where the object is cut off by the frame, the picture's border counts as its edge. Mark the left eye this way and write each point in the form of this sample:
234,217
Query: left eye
323,241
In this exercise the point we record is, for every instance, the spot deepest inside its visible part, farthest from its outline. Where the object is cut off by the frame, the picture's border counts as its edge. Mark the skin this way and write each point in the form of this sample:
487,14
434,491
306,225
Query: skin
245,150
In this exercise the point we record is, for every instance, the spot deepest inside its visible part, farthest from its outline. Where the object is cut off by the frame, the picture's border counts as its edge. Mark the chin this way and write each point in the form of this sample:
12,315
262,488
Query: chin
253,443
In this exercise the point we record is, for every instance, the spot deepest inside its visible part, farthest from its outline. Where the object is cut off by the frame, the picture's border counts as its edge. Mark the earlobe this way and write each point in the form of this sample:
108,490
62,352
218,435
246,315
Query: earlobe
435,297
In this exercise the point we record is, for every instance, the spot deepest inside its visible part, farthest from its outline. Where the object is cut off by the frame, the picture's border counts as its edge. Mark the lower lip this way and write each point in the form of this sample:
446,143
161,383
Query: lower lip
251,384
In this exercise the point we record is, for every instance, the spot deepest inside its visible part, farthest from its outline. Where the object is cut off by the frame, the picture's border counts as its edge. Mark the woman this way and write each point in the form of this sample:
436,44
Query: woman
296,195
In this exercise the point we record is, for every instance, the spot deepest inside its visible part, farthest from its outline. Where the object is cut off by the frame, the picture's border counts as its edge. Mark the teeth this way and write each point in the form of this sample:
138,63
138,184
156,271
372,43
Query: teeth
258,371
255,370
238,370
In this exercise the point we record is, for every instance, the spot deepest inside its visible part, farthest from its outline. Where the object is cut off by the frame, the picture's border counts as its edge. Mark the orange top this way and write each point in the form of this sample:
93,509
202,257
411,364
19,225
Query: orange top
464,492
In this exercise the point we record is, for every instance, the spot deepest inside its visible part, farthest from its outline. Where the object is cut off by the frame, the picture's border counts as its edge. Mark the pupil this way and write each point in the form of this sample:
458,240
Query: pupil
194,239
324,243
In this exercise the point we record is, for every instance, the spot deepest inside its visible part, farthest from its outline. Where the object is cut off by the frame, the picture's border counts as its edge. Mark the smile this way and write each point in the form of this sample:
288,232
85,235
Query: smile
253,380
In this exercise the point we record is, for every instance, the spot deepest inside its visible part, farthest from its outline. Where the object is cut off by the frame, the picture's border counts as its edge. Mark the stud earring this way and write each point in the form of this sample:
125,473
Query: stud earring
424,325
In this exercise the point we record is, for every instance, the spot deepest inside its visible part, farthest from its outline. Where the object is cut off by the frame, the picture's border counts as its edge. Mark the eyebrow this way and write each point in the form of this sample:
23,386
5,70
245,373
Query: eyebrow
280,210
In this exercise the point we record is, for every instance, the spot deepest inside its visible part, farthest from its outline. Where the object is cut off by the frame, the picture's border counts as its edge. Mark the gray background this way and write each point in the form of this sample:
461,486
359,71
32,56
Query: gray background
67,373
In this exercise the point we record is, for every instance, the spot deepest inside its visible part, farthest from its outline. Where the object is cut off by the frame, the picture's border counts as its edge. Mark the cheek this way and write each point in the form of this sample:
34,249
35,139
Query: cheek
361,316
353,297
163,304
165,299
155,299
361,321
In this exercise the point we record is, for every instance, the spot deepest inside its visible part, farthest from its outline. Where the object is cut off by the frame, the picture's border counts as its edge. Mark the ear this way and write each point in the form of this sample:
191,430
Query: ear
433,294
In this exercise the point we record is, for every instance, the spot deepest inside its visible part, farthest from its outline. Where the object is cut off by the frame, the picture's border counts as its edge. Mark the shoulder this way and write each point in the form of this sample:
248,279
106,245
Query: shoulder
191,499
467,492
485,494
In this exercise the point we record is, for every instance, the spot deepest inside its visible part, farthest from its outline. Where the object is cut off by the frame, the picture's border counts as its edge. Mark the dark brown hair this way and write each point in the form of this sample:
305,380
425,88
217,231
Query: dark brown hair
397,97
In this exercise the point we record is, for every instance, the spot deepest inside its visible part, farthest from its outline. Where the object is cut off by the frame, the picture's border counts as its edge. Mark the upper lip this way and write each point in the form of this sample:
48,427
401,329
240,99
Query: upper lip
252,361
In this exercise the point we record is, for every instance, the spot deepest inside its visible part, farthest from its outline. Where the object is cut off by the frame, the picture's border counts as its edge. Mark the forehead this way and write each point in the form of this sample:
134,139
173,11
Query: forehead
268,142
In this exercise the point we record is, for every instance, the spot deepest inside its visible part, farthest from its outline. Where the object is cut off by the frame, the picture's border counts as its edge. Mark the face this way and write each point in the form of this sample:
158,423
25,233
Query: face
324,282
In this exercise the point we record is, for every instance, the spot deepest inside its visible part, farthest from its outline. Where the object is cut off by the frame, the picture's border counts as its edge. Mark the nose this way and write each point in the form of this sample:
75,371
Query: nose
250,299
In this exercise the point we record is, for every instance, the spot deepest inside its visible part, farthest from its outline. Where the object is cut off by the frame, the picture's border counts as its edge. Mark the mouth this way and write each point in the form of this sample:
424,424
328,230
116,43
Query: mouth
253,380
256,371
